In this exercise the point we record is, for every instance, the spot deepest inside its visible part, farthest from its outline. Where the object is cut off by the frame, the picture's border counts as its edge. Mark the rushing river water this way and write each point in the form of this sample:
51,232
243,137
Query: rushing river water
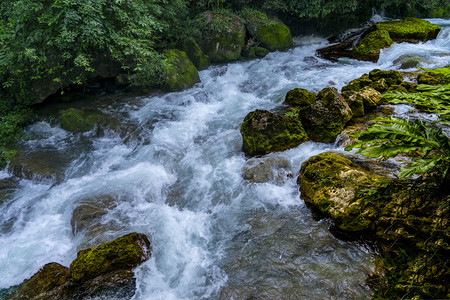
178,179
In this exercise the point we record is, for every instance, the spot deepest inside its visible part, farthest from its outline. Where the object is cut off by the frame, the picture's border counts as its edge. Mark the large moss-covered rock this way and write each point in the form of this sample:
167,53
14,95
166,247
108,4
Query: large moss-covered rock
104,272
324,119
363,100
195,54
76,120
382,35
223,36
264,132
270,31
379,80
47,283
408,30
299,97
368,47
124,253
331,182
182,73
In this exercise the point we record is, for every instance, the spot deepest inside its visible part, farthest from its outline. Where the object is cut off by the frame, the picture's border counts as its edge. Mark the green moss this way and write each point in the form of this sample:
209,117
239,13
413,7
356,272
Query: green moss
264,132
270,31
76,120
195,54
182,73
409,30
299,97
391,76
357,84
123,253
331,182
326,117
223,35
368,48
261,52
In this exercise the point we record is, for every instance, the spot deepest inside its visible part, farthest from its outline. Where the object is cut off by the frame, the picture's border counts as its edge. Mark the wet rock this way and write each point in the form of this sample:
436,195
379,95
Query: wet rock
195,54
82,120
325,118
8,183
47,283
261,51
363,101
368,47
88,215
392,76
270,31
124,253
411,30
264,132
273,169
379,80
104,272
331,183
379,36
358,83
299,97
182,73
43,165
223,36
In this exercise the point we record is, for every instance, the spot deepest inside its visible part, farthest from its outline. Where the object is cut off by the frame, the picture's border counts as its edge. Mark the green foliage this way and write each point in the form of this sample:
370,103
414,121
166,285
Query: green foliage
12,122
62,39
429,145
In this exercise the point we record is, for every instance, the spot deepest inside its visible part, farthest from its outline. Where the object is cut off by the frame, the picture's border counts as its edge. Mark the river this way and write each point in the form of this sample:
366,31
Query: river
178,179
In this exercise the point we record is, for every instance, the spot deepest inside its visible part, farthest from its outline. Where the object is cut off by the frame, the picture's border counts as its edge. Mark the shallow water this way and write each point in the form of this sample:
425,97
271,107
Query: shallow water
180,182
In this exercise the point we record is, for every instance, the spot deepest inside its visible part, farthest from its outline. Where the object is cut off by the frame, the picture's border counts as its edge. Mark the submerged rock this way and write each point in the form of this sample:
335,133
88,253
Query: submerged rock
273,169
270,31
182,73
325,118
223,36
8,183
331,183
264,132
104,272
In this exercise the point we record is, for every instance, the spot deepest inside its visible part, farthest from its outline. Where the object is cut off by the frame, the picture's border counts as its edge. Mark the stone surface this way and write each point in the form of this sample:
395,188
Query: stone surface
124,253
325,118
273,169
369,46
195,54
223,36
88,215
270,31
331,183
182,73
299,97
264,132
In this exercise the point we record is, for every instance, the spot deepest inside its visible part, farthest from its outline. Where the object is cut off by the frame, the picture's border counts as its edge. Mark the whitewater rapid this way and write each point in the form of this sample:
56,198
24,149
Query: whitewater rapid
178,179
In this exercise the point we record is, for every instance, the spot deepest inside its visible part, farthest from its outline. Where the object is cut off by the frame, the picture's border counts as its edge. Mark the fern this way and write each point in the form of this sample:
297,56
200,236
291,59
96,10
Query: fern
391,136
444,71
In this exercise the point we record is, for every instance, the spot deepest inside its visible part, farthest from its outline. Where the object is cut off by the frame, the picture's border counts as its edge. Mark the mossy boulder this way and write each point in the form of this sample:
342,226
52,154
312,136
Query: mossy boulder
363,100
261,51
368,47
379,80
264,132
76,120
270,31
182,73
195,54
104,272
331,182
223,36
408,30
124,253
47,283
299,97
325,118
